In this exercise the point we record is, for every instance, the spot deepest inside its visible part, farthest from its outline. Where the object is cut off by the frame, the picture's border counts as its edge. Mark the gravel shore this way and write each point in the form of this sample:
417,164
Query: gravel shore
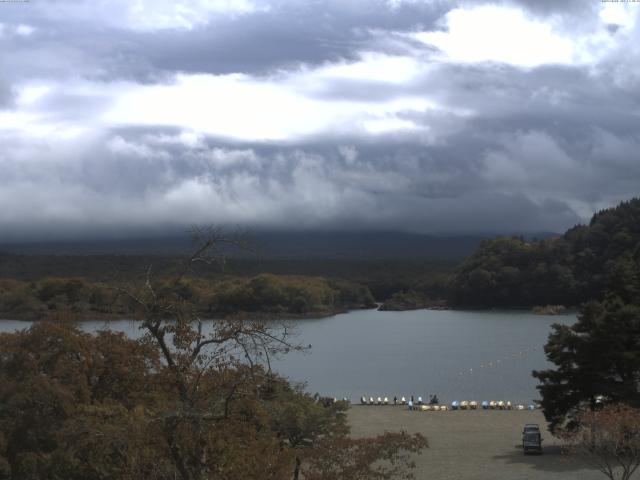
473,444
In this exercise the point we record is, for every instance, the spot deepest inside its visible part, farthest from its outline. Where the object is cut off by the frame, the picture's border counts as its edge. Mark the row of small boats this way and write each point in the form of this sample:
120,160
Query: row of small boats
490,405
455,405
385,401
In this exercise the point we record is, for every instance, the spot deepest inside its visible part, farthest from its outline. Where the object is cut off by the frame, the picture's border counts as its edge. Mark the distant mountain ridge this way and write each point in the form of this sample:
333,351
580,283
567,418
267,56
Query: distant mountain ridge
280,244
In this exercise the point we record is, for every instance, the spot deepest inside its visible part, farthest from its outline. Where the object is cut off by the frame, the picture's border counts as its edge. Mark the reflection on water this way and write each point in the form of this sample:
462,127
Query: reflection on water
455,354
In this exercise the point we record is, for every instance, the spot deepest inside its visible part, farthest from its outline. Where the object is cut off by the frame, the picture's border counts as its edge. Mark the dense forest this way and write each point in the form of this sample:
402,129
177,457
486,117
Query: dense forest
86,285
264,294
581,265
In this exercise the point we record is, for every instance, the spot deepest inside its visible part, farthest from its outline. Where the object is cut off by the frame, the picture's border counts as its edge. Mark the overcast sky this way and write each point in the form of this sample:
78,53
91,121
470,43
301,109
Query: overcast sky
131,116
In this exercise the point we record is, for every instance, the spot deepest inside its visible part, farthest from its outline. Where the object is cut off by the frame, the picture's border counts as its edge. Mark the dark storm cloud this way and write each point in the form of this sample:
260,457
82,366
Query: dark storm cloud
285,35
501,148
289,34
554,6
384,185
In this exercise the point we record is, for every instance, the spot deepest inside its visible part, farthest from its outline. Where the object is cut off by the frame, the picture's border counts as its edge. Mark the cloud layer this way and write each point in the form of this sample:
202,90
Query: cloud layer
421,115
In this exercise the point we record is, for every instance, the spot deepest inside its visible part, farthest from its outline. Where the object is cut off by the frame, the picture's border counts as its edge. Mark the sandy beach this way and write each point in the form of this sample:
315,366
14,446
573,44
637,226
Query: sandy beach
473,444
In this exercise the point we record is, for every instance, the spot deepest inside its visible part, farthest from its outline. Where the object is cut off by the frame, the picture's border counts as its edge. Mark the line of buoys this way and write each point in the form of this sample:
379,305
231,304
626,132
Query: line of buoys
497,362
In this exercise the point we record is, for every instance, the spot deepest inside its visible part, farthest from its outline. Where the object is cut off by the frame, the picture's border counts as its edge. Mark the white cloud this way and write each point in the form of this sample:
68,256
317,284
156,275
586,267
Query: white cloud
28,95
498,34
372,67
385,125
493,33
25,30
189,139
30,126
249,108
120,146
622,14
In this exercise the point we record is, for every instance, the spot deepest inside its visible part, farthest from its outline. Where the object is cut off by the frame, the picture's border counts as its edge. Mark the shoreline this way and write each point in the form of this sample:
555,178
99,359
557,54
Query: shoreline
258,316
265,316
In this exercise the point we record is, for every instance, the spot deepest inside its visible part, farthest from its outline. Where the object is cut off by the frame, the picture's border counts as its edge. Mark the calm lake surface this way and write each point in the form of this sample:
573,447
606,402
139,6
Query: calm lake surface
456,354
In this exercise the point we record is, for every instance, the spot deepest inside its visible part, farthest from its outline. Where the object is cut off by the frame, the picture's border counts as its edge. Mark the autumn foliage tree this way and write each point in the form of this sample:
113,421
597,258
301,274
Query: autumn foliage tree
608,440
191,399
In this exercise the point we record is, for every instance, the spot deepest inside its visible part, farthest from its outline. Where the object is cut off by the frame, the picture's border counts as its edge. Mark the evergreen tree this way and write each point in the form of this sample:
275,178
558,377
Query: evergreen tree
597,356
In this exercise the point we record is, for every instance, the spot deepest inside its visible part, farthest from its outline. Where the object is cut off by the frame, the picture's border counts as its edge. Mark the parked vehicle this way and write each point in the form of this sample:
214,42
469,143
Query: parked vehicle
531,439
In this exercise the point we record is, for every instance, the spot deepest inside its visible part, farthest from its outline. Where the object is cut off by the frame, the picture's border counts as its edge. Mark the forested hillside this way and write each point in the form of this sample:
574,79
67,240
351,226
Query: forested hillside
578,266
265,294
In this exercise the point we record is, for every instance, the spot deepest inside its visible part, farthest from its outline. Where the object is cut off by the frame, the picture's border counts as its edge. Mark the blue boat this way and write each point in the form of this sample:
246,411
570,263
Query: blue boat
485,404
455,405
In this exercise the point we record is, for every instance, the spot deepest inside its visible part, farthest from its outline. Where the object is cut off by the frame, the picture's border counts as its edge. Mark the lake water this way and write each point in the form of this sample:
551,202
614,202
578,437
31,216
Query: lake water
456,354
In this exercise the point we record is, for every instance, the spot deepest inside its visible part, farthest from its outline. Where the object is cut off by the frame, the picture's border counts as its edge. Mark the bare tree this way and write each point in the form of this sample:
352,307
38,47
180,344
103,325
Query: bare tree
192,347
608,440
